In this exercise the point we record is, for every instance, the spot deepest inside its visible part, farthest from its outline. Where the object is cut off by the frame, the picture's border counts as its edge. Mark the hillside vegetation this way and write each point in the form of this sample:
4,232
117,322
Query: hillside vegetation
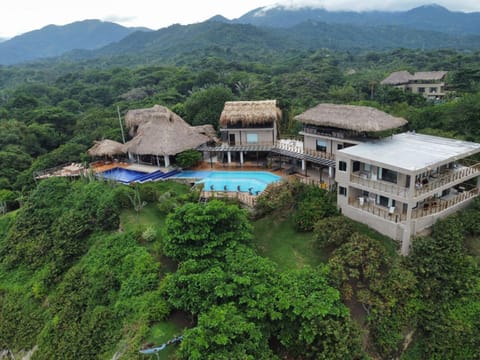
76,282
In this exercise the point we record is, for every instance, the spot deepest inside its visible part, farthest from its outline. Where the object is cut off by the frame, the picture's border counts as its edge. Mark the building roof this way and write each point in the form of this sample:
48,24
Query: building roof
350,117
411,152
159,131
106,148
396,78
404,77
429,75
250,112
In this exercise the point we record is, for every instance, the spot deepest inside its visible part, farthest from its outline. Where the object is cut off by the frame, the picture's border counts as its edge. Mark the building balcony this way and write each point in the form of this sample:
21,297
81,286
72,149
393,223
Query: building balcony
446,179
437,205
391,214
340,135
296,149
424,209
379,185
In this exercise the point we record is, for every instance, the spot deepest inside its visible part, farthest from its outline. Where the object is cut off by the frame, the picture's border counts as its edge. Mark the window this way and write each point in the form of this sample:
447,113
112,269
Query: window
421,89
342,166
321,145
342,191
433,90
252,138
339,146
356,166
383,201
387,175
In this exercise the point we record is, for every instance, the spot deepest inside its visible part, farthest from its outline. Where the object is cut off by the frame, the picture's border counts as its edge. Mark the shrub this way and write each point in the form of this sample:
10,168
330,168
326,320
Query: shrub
188,158
312,205
333,231
149,234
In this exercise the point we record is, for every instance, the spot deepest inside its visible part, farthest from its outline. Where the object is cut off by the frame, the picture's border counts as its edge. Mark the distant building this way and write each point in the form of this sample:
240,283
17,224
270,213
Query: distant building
430,84
402,184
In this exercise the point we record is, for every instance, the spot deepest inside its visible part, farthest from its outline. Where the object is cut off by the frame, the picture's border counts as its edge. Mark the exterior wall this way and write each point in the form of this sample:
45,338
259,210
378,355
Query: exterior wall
310,143
431,90
265,136
388,228
343,177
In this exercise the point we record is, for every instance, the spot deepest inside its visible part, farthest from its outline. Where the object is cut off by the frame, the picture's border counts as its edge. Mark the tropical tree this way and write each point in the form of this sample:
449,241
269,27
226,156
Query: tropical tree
205,230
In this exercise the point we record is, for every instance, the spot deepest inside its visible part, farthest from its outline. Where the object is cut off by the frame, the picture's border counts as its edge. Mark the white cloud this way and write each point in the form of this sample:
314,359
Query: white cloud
387,5
119,19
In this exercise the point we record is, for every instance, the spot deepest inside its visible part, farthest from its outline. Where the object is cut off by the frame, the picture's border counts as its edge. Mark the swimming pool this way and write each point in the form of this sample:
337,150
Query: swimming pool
121,175
243,181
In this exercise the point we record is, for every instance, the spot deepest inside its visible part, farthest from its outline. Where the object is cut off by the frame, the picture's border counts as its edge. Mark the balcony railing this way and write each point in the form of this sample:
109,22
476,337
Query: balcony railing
243,197
425,209
390,214
447,178
315,182
437,205
379,185
297,148
293,146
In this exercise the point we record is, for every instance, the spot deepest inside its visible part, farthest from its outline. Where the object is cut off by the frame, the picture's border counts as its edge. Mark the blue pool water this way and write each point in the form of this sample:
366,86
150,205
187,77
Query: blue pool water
121,175
244,181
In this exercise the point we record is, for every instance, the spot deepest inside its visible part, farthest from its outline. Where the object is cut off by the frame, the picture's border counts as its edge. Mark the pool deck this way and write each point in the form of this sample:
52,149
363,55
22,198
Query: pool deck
100,167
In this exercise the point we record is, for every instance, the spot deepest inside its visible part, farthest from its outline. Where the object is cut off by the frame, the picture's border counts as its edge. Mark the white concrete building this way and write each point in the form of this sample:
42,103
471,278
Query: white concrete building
402,184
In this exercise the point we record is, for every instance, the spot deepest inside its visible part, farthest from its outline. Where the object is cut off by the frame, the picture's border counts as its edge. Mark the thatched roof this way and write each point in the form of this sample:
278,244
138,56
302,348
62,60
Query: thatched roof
429,75
250,112
349,117
159,131
207,130
106,148
404,77
396,78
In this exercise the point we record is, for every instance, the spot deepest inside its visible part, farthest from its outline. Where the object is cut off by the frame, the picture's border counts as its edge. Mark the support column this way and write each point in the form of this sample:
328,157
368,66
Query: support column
241,157
167,160
229,157
408,229
304,165
330,172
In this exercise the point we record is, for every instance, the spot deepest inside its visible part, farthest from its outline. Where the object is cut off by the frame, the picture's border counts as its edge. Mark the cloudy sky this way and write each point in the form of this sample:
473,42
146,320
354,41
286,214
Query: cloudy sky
19,16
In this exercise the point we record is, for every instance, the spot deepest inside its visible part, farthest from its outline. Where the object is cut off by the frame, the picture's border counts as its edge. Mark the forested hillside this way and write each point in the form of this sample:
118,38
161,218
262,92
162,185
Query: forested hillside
85,273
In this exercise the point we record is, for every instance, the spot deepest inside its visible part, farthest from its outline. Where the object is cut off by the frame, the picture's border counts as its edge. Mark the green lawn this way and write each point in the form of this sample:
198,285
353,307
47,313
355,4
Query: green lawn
276,238
148,216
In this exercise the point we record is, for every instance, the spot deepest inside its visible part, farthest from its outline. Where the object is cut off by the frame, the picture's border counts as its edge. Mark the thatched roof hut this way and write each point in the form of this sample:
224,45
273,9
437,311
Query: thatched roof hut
159,131
245,113
350,117
106,148
404,77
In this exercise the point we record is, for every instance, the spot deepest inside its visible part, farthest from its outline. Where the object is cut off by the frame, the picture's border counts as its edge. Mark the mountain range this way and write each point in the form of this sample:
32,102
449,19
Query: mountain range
53,40
427,17
271,29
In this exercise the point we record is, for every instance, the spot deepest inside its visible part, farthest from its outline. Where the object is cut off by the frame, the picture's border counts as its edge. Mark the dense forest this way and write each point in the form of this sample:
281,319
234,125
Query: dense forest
84,273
